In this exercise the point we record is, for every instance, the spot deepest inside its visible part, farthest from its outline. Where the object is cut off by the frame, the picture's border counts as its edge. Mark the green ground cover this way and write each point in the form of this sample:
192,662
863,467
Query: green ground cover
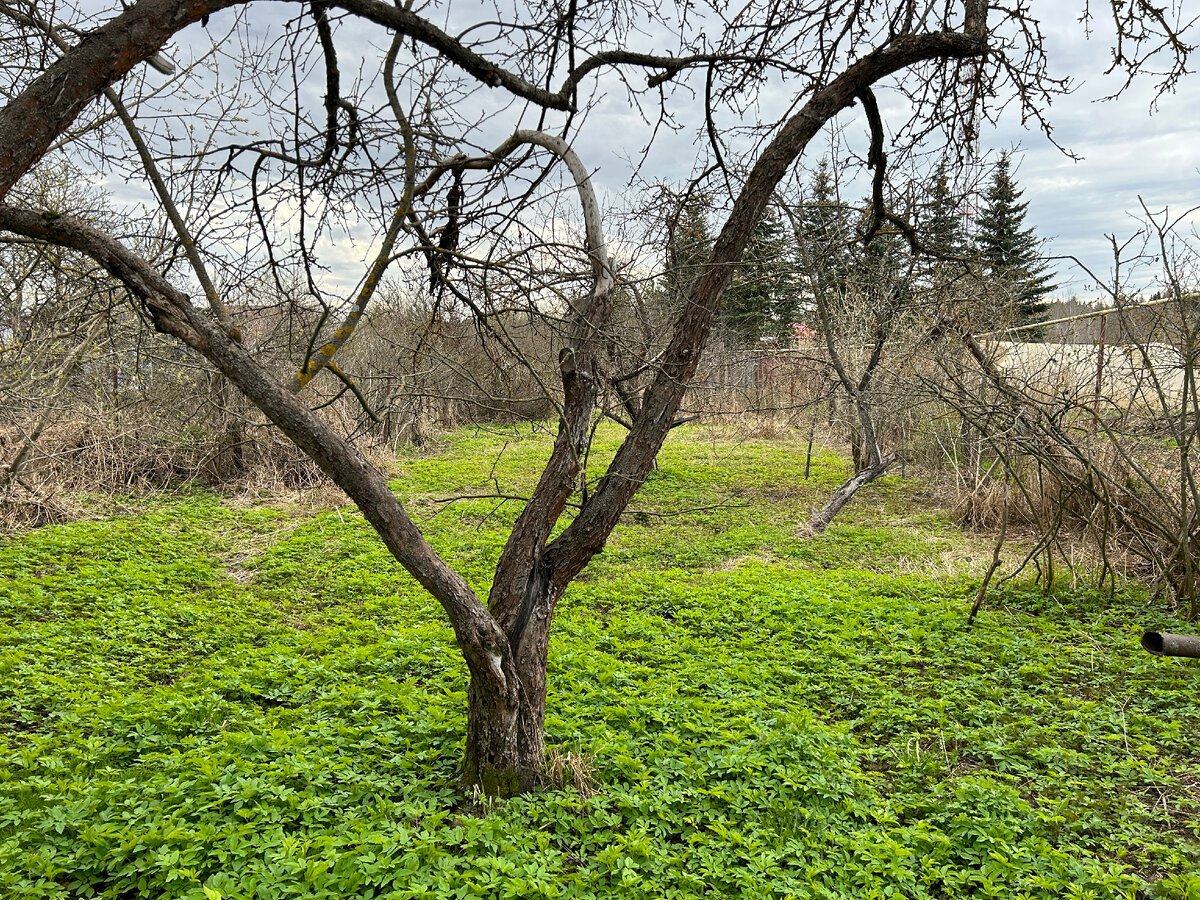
217,698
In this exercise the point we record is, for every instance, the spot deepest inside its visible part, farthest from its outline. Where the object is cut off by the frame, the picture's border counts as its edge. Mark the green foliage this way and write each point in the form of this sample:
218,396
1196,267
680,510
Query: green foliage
689,243
764,297
209,700
826,236
940,226
941,220
860,291
1010,250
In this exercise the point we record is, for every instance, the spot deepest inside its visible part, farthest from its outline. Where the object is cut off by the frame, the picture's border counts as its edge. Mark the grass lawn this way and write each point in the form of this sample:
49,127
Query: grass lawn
240,698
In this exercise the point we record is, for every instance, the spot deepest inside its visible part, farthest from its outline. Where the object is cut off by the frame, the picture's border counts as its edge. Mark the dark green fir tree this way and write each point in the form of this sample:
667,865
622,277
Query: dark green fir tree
689,243
1009,250
828,234
763,298
941,228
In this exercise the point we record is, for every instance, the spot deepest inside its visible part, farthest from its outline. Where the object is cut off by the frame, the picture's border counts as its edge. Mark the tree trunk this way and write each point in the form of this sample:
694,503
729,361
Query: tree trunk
858,454
506,745
504,644
821,518
869,449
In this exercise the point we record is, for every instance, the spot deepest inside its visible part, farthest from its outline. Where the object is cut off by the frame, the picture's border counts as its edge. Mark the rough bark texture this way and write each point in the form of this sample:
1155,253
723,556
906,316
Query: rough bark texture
38,115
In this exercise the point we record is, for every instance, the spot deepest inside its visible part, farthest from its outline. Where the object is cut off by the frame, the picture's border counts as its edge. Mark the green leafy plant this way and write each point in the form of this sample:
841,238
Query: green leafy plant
208,699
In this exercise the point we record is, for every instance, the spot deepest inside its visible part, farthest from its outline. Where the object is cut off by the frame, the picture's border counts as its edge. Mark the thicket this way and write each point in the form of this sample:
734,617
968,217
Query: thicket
1094,445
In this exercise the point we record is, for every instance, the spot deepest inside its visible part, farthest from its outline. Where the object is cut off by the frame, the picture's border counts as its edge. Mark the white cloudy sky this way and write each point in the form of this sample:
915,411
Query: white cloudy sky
1127,152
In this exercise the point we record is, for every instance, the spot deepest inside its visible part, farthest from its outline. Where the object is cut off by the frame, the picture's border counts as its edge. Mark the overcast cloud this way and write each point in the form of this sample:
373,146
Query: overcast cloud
1127,152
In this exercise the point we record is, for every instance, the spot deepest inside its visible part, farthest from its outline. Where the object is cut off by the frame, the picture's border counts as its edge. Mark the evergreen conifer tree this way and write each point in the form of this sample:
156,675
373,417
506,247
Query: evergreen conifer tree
942,230
1009,250
689,244
763,299
828,233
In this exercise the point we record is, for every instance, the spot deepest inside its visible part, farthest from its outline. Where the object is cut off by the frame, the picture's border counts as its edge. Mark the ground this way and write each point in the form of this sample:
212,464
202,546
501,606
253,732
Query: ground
214,696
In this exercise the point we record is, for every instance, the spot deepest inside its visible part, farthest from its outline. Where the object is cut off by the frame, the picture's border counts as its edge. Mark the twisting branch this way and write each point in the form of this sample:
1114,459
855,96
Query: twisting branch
314,362
186,240
408,23
518,577
879,212
877,160
172,313
334,102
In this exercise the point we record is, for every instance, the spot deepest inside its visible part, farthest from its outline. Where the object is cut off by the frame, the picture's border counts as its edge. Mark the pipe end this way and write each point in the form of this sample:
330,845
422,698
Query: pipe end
1152,642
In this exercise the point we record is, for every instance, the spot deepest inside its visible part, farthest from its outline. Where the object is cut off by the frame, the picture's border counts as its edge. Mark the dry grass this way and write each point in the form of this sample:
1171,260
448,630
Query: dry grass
765,427
571,768
988,505
107,463
966,560
22,508
762,558
144,457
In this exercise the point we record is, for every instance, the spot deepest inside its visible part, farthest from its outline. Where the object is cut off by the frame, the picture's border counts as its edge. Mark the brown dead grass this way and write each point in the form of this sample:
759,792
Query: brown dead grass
571,768
136,458
23,508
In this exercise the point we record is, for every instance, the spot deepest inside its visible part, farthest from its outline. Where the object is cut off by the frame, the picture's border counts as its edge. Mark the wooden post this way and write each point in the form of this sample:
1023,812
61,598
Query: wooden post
1099,369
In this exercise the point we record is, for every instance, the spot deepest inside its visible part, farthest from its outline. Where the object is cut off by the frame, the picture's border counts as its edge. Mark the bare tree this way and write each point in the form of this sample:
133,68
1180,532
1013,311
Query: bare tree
397,151
1098,441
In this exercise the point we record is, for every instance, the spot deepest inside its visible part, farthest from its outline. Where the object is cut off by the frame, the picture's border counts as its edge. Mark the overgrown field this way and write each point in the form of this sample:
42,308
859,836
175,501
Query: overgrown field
229,698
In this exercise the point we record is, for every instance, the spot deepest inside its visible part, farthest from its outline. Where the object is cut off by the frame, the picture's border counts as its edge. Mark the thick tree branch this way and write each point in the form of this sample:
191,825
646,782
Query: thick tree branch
483,645
518,574
31,122
587,534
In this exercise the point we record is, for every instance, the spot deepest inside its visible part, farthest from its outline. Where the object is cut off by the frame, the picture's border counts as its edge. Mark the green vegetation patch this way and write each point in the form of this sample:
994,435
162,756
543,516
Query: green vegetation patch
210,701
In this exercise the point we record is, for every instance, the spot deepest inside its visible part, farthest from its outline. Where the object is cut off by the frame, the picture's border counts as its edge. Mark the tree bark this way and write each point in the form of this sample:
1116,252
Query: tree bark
506,734
821,518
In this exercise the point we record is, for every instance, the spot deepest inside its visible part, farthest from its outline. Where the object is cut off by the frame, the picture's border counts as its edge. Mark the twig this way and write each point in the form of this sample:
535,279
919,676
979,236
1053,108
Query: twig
685,512
987,579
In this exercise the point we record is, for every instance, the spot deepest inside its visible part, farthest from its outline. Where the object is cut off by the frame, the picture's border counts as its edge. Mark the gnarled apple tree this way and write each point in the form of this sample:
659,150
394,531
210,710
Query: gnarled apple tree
442,132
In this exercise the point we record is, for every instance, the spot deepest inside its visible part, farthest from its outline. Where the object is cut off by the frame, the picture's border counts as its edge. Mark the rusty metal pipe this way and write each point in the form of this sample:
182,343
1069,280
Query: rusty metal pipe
1160,643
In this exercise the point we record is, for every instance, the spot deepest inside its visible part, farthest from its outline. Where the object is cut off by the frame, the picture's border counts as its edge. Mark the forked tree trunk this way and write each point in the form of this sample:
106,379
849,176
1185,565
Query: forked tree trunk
505,747
505,643
506,731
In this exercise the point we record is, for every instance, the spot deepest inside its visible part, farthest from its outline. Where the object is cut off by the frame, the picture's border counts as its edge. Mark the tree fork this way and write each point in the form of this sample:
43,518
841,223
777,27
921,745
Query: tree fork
504,644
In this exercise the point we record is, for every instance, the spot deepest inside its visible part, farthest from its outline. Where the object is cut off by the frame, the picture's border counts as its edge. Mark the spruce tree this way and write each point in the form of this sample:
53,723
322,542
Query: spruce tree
1009,250
835,260
883,269
763,299
828,234
941,230
689,243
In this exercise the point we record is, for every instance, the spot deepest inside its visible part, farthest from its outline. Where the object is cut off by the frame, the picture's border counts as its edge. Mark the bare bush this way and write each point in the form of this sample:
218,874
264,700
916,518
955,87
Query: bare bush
1097,442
